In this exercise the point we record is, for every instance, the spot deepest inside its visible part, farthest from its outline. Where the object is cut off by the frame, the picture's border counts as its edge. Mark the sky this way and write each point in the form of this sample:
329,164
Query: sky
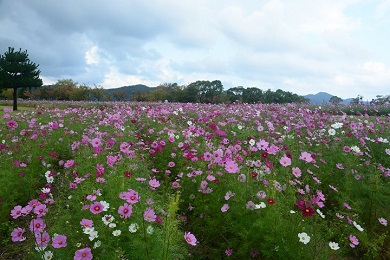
303,46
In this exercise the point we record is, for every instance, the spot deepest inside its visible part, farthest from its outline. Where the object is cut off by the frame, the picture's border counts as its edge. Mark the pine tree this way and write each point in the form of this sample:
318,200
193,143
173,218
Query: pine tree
17,71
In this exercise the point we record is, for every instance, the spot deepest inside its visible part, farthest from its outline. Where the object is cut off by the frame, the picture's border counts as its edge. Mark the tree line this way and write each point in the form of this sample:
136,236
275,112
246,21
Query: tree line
202,91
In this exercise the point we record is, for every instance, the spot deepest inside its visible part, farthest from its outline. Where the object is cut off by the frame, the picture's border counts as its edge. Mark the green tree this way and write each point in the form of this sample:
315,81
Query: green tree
335,100
235,94
98,93
252,95
17,71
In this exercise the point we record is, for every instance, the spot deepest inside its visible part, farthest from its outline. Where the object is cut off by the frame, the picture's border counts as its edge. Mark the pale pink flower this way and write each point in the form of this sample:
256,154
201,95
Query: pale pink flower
383,221
149,215
231,166
225,208
296,172
154,183
354,241
285,161
305,156
190,238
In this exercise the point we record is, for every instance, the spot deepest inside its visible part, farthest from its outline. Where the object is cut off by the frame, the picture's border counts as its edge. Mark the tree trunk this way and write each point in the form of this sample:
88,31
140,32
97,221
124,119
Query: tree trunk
15,99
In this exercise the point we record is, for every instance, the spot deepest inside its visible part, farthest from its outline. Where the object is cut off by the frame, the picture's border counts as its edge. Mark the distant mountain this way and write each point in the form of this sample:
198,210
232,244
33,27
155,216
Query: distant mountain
126,92
323,97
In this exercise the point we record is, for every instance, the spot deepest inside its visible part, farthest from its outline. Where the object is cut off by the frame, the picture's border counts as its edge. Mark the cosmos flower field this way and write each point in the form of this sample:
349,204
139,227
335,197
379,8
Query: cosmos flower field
193,181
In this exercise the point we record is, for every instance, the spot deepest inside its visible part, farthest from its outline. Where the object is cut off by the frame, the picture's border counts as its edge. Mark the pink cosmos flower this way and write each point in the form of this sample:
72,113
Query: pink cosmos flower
317,201
69,163
40,210
17,235
305,156
296,172
231,166
42,239
225,208
83,254
59,241
125,210
53,125
26,210
111,160
347,149
154,183
190,238
229,252
34,203
12,124
285,161
354,241
131,196
347,205
96,142
37,225
96,207
16,212
262,145
383,221
149,215
171,164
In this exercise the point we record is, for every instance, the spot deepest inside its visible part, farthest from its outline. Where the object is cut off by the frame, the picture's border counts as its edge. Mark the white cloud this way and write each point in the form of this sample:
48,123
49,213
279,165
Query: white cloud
92,56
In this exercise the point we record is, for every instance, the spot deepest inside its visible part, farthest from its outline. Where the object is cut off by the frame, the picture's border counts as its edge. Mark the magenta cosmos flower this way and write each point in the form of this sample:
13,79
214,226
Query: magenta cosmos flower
59,241
12,124
86,223
37,225
190,238
17,235
125,210
83,254
16,212
42,239
96,208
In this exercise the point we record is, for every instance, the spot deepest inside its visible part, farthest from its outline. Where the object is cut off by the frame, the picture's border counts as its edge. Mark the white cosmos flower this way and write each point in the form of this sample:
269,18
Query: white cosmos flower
97,244
334,245
304,238
48,255
331,131
320,213
116,233
358,226
133,227
150,230
93,235
260,206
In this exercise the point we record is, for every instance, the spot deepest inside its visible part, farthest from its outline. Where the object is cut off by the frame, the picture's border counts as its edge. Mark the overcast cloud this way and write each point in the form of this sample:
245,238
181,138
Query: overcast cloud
302,46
